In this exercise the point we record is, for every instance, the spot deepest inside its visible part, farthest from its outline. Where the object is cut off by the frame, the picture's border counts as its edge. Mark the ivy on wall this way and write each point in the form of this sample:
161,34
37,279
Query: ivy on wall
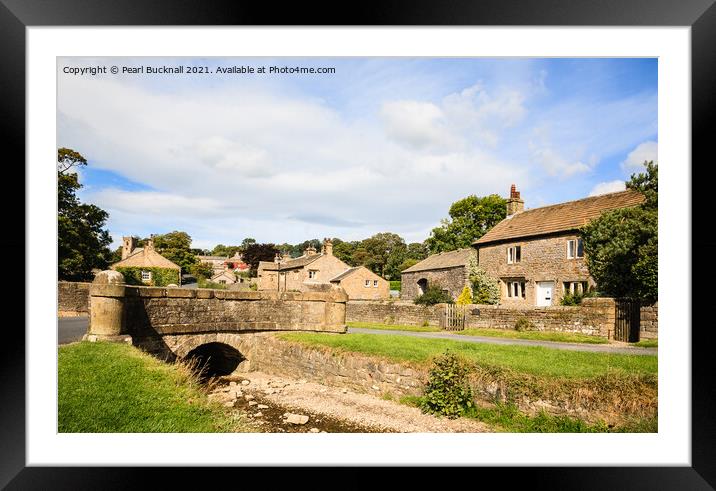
160,276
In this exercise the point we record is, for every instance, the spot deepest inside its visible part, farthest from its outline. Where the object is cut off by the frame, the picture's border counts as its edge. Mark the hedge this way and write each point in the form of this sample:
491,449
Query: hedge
160,276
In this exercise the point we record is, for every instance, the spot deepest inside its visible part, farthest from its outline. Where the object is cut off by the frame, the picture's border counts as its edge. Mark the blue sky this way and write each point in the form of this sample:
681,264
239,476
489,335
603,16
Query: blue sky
383,144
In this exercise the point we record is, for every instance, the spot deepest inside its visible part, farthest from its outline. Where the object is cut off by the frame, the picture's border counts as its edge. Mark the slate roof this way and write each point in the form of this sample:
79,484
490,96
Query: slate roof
561,217
145,258
442,260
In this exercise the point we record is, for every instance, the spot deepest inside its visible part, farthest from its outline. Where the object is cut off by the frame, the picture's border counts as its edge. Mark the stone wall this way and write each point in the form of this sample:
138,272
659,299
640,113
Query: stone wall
451,279
161,311
350,370
594,317
391,312
649,326
72,299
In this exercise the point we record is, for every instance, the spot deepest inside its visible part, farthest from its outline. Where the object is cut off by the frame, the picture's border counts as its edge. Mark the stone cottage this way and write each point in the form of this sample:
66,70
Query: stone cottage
314,269
360,283
537,254
446,269
145,265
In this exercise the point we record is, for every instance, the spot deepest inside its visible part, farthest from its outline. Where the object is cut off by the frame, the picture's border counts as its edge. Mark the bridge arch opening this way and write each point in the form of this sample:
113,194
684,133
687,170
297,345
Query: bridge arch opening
215,359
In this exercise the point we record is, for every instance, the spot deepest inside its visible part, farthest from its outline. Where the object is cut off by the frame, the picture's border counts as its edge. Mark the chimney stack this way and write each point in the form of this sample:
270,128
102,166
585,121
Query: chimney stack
149,246
514,203
309,251
327,247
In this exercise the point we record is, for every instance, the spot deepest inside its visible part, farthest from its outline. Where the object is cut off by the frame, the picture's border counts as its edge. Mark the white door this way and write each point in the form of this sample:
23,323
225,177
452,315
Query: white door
544,293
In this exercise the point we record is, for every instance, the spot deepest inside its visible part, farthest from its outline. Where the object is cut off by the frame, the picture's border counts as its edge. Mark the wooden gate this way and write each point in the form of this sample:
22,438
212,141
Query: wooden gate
453,318
627,319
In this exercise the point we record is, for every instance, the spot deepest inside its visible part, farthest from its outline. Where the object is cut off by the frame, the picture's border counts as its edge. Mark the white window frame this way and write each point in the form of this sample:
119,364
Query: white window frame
375,283
573,249
312,274
516,289
367,284
512,254
576,287
146,275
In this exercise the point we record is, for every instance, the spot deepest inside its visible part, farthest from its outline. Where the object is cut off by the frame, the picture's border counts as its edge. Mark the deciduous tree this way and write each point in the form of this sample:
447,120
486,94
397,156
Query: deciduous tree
621,246
470,218
82,240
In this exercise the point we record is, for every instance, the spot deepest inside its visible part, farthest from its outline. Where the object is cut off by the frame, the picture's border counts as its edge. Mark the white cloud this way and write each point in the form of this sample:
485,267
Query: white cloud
243,159
647,151
415,124
557,166
607,187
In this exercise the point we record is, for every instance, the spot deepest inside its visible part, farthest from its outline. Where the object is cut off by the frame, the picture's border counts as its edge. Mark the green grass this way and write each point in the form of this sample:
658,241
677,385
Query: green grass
535,360
508,418
116,388
204,283
647,343
393,327
563,337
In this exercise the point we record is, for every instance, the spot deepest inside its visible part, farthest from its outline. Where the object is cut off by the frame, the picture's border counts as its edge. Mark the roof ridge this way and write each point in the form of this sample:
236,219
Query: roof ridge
577,200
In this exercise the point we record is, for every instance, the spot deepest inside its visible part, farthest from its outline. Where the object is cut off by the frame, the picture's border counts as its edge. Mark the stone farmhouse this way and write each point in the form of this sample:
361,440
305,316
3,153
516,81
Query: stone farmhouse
146,265
314,270
447,269
360,283
537,254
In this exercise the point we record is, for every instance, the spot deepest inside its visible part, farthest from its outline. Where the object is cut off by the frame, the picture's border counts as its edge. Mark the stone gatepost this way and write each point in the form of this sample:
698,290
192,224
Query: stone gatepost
107,308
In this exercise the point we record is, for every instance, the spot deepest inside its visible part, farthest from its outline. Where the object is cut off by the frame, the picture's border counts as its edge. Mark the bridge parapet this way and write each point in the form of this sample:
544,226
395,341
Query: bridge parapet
141,312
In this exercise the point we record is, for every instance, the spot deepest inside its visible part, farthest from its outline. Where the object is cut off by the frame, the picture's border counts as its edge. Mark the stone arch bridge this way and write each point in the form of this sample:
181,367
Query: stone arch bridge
219,325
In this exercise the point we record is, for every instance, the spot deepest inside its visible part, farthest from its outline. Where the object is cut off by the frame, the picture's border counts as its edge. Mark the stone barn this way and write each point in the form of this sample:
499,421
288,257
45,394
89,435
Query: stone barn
447,269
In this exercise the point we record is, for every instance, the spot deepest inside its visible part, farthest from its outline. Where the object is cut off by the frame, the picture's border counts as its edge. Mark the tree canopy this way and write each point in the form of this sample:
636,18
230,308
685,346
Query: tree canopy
470,218
82,240
254,253
175,246
621,246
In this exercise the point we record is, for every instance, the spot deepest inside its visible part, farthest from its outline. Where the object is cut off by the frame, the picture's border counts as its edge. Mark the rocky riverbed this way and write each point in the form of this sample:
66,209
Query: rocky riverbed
283,405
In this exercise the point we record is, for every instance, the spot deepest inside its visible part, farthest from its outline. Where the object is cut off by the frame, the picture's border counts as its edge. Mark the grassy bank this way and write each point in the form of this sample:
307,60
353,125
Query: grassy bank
563,337
393,327
534,360
508,418
647,343
116,388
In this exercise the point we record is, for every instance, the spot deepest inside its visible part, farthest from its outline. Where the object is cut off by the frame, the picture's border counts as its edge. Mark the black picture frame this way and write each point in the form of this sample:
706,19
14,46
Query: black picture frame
700,15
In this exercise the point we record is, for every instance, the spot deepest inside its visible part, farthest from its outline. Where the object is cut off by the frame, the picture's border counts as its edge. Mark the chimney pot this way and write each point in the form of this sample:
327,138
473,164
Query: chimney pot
514,203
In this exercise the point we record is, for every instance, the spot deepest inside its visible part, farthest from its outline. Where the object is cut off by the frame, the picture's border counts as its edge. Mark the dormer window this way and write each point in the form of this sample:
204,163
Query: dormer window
514,254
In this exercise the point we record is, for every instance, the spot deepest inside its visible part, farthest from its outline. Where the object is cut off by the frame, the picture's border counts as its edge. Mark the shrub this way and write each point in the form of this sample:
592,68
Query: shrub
395,285
523,324
465,297
485,289
572,299
433,295
448,392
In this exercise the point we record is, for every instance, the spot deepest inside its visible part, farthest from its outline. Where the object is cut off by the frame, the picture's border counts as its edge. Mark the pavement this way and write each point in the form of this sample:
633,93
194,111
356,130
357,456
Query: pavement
594,348
71,329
